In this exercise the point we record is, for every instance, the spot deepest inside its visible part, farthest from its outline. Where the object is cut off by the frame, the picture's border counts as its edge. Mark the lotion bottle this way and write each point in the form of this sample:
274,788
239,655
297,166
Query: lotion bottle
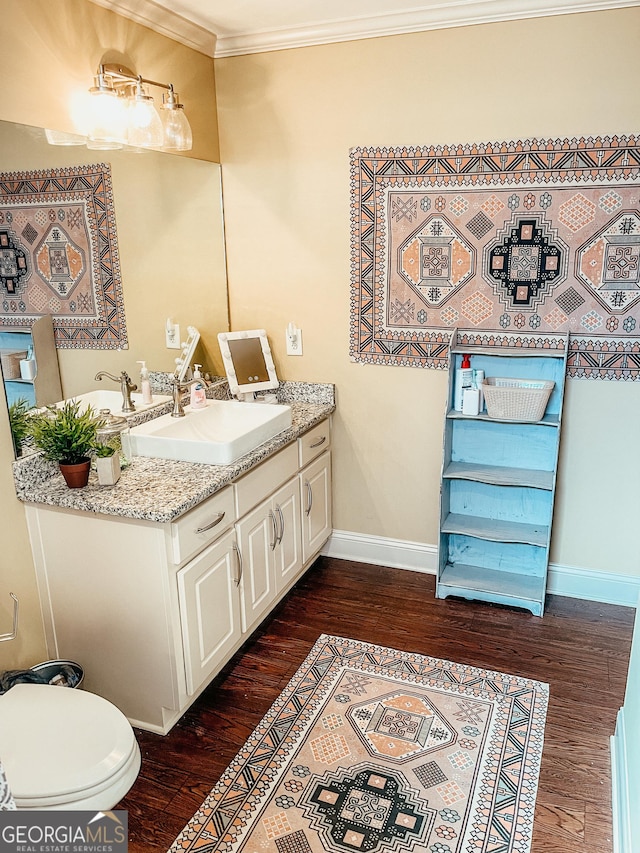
145,386
198,392
463,380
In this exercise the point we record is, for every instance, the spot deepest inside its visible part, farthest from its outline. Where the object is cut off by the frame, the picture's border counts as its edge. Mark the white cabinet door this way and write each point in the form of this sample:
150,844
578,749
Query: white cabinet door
257,536
209,610
315,491
288,552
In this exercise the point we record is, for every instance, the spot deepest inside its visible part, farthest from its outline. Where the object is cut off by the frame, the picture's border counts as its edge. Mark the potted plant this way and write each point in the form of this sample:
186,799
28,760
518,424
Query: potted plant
107,464
19,423
67,436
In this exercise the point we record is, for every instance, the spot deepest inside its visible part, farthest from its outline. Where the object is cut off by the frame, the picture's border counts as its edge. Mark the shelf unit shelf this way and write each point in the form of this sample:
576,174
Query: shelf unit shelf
500,587
549,420
500,475
498,483
496,530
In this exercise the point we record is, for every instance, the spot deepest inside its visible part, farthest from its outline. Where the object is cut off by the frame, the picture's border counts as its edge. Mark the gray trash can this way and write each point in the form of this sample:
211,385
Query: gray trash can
65,673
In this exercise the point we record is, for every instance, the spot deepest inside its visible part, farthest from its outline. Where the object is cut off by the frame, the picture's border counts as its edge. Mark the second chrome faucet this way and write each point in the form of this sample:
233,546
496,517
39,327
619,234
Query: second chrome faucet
126,386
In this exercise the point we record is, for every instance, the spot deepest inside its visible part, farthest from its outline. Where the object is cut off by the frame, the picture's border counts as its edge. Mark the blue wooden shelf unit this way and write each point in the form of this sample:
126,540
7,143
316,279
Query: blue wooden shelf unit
498,482
45,388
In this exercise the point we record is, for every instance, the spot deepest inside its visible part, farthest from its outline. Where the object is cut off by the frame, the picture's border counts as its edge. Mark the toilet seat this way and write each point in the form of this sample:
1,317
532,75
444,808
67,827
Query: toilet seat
65,749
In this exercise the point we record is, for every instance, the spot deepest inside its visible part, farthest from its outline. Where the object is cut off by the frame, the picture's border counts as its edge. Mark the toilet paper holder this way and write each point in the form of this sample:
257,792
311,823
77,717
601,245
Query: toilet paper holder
14,632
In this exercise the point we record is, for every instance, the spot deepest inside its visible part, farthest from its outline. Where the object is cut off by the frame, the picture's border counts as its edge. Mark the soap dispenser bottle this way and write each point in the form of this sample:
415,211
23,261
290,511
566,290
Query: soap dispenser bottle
145,385
463,380
198,393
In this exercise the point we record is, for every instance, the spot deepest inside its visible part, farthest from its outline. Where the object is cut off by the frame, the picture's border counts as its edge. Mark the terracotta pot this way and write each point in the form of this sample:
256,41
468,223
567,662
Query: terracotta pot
76,475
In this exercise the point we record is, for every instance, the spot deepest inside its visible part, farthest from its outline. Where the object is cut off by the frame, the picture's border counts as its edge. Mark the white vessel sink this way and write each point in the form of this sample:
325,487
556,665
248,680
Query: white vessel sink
217,435
103,398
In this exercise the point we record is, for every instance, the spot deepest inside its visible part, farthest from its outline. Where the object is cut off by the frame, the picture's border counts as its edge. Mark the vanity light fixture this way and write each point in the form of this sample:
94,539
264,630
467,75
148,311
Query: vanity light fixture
124,113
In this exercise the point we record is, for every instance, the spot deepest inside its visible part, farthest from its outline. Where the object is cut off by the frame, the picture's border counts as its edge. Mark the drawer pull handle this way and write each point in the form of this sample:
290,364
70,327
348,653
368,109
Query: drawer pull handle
281,515
317,443
236,548
309,497
211,524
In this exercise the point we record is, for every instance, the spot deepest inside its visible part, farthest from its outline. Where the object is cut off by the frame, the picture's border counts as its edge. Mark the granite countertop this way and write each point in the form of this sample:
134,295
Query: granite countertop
160,490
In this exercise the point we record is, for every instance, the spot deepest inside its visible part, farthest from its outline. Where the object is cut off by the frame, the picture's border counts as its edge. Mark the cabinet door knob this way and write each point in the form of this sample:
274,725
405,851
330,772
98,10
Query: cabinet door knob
211,524
309,497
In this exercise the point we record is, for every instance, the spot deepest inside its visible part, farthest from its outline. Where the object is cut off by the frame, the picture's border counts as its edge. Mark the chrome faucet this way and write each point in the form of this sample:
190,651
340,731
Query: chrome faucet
177,389
126,386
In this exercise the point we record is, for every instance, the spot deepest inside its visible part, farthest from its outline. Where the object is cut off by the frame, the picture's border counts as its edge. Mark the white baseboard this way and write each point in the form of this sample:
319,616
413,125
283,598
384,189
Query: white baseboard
620,788
588,584
382,551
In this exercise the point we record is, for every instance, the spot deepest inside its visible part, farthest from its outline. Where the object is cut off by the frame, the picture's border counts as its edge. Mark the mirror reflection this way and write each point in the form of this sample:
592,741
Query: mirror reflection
168,212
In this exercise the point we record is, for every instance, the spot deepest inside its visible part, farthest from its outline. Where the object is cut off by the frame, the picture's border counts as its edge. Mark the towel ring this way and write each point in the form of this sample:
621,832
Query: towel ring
14,632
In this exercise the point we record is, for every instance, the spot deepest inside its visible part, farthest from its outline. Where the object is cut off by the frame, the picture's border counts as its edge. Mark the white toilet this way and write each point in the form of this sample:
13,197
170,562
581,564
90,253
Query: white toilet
65,749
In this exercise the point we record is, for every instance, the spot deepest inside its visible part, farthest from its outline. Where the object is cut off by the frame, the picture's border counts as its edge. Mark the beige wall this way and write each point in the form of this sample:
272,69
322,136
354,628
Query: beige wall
168,215
287,122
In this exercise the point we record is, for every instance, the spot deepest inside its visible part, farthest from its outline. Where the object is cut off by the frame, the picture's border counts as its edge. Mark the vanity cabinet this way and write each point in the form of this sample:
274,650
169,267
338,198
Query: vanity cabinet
154,611
43,387
498,483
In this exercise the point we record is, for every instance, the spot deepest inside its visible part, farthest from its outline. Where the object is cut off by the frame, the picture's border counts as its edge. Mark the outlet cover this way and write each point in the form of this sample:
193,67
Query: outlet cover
294,341
172,336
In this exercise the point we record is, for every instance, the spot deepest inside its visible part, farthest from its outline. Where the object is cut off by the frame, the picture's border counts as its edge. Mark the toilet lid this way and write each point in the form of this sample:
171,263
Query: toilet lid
56,740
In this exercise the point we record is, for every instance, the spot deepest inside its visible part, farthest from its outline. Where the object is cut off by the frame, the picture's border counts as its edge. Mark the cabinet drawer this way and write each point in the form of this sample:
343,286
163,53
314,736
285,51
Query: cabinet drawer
201,525
265,479
314,442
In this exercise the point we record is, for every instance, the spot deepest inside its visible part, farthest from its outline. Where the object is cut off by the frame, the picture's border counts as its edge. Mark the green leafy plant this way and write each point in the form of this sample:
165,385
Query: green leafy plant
19,423
104,450
67,434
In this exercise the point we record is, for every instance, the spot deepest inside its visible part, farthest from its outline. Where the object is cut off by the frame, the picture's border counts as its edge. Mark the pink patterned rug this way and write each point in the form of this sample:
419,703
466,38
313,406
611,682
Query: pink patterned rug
372,749
512,242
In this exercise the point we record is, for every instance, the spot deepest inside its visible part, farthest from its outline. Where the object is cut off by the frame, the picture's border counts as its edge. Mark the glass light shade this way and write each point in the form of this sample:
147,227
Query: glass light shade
107,119
177,130
144,125
61,137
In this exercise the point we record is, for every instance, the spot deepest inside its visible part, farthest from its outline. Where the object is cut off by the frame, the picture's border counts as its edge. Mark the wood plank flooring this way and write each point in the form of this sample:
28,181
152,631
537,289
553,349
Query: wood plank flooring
580,649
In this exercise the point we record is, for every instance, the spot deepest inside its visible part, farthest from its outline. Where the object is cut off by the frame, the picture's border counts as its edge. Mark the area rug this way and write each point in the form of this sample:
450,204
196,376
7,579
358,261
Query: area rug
373,749
59,255
513,241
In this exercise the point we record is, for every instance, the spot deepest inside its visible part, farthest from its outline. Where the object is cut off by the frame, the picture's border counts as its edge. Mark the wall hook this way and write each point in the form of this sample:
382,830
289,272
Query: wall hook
14,632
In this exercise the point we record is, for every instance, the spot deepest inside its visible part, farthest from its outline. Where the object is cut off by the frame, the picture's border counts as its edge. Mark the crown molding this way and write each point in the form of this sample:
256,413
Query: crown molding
442,16
455,13
165,22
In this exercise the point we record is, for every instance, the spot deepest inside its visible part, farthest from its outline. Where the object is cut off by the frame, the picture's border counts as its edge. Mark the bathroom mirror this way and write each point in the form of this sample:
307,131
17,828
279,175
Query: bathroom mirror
248,362
168,212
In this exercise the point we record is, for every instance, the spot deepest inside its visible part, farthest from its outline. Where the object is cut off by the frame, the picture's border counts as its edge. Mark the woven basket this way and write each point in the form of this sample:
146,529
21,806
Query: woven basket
10,360
517,399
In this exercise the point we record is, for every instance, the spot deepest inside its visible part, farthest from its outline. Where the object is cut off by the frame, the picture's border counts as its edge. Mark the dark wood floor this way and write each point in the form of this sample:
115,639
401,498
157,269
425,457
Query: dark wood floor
580,649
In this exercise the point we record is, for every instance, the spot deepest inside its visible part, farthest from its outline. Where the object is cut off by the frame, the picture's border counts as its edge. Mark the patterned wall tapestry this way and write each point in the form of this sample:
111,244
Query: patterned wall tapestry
513,241
59,255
